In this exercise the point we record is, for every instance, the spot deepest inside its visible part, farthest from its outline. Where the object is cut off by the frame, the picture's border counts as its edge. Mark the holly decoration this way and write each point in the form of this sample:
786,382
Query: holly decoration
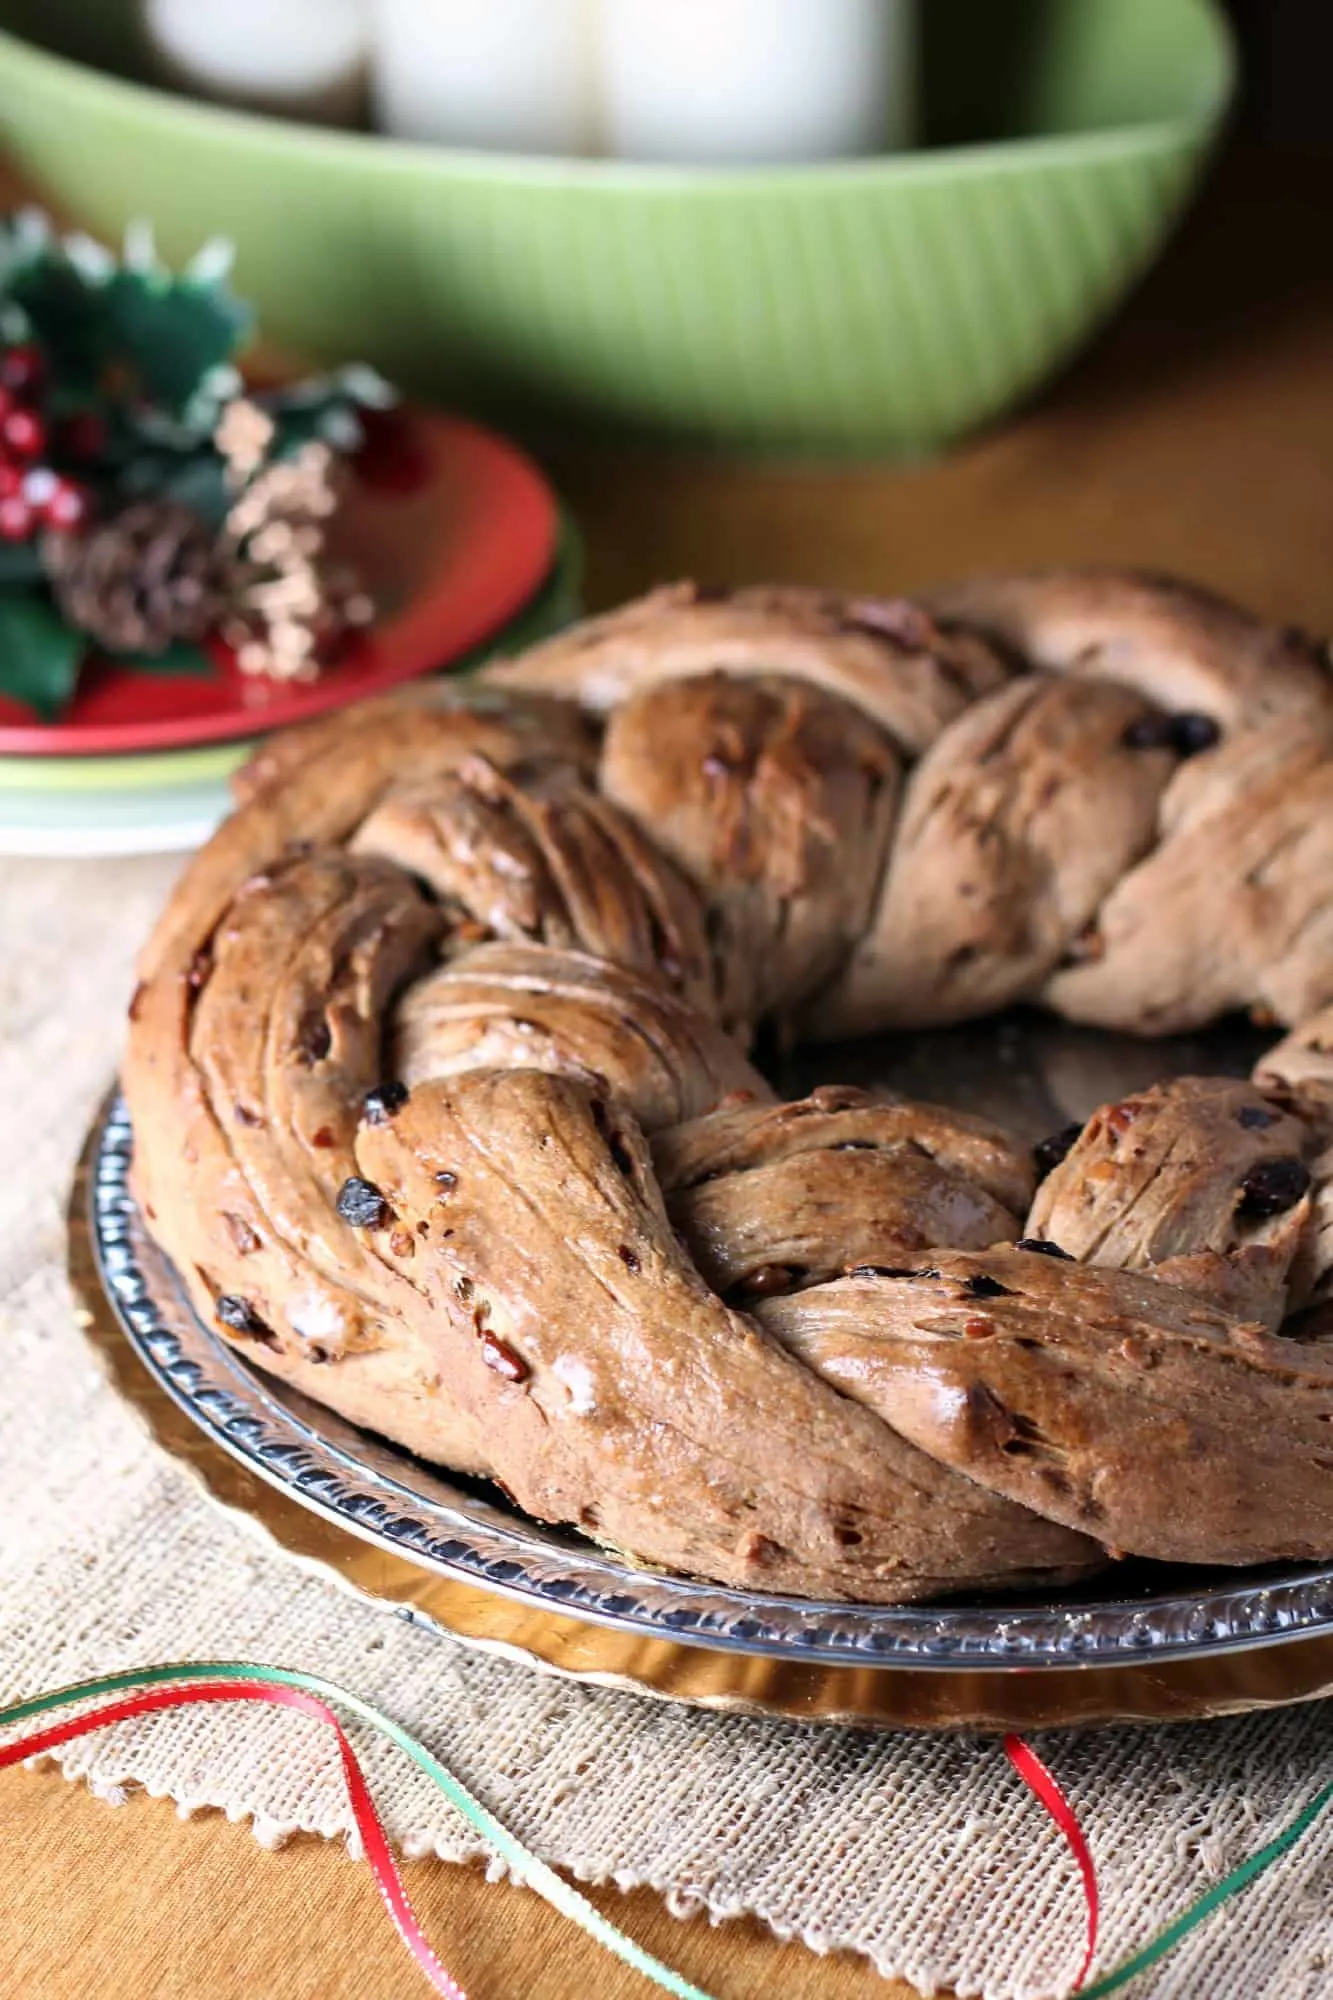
119,402
39,487
152,577
288,601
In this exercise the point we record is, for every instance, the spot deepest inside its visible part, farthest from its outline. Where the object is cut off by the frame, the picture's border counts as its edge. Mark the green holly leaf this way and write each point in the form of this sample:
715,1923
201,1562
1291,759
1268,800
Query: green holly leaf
20,565
59,300
175,333
132,333
197,479
40,655
179,660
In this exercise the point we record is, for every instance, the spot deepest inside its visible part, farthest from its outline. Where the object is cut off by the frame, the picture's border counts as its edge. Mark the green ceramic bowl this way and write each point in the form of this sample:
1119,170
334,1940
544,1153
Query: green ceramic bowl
886,305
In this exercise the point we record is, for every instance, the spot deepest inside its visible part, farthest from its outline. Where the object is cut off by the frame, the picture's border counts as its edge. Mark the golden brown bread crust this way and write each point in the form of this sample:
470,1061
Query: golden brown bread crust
618,1390
1234,905
904,670
315,788
1184,647
441,1112
1015,827
550,861
522,1006
1174,1181
775,1198
1124,1407
777,800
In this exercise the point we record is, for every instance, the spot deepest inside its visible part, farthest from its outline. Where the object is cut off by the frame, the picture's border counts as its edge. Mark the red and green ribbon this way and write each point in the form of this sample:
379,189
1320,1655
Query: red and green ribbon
149,1690
231,1680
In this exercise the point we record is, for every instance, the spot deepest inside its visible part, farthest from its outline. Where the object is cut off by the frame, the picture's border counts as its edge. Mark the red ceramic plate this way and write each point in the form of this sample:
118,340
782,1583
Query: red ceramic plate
452,531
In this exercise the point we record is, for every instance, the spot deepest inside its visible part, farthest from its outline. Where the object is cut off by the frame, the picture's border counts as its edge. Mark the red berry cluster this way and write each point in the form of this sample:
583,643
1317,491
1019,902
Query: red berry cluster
33,493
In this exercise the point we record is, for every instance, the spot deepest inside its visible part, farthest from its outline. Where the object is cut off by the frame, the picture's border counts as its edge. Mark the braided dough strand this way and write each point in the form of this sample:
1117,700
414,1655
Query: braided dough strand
443,1112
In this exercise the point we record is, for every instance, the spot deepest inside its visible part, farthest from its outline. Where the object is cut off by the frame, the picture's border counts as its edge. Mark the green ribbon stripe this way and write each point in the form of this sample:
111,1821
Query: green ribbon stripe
1231,1885
558,1892
524,1864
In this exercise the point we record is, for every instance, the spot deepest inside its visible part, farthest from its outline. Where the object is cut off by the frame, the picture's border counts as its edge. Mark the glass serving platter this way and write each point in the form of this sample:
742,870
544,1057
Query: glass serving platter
1141,1641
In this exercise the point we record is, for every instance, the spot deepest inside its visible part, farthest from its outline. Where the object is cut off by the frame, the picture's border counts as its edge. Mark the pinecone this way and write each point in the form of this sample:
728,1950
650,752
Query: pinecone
154,575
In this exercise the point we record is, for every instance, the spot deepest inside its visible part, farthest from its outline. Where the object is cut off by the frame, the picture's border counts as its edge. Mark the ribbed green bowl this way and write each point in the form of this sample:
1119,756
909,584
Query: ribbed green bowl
882,306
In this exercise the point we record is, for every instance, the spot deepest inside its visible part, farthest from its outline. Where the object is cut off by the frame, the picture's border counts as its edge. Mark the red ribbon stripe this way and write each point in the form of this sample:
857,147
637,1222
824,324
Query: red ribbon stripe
1042,1782
368,1823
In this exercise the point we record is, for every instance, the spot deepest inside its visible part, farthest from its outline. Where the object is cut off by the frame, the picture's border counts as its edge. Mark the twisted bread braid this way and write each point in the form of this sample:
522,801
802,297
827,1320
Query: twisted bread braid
442,1109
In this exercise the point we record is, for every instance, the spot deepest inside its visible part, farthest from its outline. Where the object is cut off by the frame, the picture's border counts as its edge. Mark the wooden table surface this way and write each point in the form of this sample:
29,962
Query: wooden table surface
1199,437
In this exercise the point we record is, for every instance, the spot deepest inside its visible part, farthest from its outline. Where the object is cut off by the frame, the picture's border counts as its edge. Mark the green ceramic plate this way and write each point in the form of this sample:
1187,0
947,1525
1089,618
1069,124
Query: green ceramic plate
44,776
88,825
887,305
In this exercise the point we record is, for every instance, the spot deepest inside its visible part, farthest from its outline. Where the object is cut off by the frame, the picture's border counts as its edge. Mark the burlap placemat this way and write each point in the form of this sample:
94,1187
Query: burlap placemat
925,1854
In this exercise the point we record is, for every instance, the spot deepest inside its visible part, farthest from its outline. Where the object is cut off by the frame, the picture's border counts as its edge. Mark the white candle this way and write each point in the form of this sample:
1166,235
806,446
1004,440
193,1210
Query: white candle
504,75
304,57
757,81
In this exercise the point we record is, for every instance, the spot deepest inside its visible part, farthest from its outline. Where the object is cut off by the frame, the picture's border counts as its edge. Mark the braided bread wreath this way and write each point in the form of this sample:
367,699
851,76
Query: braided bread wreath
442,1109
